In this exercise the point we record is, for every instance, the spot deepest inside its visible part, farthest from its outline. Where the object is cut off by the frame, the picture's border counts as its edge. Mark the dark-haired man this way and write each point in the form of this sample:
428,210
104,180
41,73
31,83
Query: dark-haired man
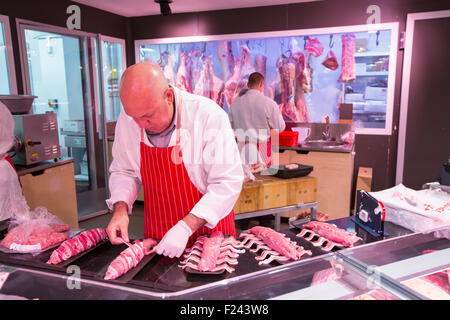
253,116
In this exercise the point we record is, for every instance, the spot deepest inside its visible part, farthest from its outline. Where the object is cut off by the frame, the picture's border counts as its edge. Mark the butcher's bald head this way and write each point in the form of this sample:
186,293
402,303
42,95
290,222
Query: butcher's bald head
146,96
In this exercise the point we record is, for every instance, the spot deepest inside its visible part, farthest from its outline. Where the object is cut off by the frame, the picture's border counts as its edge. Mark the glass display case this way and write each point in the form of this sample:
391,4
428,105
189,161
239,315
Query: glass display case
410,267
309,73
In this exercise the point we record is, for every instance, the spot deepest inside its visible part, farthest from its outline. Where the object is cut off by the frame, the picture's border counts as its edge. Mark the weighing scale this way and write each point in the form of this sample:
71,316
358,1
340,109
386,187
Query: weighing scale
370,214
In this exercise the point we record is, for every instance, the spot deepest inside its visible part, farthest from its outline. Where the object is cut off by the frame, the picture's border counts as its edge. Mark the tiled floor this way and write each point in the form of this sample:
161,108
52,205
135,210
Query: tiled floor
136,226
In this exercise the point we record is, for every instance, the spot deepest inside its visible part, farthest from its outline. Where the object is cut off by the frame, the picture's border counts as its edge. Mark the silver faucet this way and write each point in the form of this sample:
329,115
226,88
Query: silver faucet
326,133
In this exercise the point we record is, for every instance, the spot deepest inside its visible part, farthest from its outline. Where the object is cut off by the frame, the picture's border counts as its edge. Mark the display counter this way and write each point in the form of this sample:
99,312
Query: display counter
373,269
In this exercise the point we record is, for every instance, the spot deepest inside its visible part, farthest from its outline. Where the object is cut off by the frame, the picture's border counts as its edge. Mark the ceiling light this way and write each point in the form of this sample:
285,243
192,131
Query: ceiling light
165,8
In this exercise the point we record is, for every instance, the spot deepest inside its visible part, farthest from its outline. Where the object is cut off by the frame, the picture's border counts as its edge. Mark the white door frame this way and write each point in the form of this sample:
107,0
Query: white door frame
406,77
9,54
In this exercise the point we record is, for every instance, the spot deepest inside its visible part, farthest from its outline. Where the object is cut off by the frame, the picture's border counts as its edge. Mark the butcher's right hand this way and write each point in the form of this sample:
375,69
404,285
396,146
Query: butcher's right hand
118,226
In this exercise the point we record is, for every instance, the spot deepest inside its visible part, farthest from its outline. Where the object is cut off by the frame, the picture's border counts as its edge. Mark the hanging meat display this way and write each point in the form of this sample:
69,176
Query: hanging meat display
166,63
307,75
348,58
226,58
314,47
246,67
260,64
183,80
286,70
195,58
330,61
208,85
299,96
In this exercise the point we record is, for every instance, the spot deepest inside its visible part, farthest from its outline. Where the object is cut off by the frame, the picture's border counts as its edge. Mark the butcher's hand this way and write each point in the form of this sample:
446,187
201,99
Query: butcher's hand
175,240
118,226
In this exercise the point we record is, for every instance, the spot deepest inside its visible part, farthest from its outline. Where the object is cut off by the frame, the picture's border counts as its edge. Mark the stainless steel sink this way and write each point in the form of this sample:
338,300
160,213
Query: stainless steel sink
322,144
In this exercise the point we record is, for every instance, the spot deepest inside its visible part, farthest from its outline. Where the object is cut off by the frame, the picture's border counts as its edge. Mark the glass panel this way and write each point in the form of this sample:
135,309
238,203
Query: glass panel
113,67
5,87
56,78
419,262
308,77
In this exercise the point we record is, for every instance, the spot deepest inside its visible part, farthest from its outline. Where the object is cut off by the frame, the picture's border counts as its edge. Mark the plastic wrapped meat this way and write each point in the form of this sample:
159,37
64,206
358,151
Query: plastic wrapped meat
77,244
129,258
348,58
34,237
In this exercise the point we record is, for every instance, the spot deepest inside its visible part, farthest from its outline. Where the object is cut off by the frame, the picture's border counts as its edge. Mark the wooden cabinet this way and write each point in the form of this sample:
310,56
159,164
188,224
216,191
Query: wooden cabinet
334,173
268,192
53,188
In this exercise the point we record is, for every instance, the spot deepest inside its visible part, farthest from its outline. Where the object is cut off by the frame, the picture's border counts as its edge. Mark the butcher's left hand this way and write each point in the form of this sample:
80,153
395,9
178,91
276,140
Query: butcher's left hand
174,241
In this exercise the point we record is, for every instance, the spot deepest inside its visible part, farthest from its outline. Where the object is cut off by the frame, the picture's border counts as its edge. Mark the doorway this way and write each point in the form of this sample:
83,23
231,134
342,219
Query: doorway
60,67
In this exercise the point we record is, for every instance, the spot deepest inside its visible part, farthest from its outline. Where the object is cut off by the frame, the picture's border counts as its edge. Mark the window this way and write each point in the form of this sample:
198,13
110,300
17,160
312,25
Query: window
7,72
113,60
310,73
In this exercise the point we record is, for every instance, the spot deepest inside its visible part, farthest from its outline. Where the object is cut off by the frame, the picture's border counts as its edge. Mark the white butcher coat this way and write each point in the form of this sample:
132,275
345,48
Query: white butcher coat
209,153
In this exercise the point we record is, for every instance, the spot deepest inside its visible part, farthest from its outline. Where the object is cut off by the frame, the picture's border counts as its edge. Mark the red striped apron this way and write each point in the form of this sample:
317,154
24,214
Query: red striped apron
169,194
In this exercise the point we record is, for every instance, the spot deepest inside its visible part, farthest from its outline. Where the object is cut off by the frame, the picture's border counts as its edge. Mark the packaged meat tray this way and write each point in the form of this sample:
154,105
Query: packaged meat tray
419,211
292,170
34,232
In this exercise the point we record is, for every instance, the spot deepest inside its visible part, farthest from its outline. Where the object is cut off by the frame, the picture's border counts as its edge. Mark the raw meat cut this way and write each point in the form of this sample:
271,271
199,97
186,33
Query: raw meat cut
348,58
129,258
231,85
299,96
238,80
428,288
377,294
274,244
286,70
166,63
314,47
333,233
183,80
196,65
260,64
323,276
320,216
291,166
226,58
330,61
77,244
246,67
212,254
208,85
34,237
